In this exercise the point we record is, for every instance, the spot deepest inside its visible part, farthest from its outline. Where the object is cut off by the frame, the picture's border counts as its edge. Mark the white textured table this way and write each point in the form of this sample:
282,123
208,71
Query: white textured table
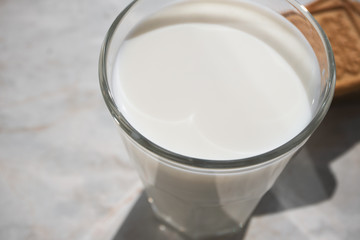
63,171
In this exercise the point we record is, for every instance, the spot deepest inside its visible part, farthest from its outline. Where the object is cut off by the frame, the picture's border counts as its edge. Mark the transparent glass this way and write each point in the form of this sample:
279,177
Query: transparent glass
202,197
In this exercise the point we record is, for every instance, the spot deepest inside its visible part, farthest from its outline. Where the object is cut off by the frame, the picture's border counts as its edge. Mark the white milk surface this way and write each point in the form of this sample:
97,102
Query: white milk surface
216,89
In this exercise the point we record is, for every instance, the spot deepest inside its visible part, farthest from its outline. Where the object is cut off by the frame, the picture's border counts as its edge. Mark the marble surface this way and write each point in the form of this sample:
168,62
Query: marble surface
65,175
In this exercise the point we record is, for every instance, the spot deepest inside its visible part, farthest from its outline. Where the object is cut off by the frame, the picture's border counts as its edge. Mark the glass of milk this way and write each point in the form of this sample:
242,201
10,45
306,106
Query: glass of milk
212,99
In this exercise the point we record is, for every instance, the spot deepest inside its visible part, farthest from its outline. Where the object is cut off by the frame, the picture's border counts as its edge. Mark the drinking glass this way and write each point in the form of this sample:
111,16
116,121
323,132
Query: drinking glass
202,197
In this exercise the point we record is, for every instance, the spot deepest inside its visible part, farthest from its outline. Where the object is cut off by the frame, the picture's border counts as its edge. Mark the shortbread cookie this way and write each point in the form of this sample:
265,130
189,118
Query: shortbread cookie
340,20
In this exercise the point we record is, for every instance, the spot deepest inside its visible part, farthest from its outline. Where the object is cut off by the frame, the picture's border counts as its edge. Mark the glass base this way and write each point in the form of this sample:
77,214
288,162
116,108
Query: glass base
221,227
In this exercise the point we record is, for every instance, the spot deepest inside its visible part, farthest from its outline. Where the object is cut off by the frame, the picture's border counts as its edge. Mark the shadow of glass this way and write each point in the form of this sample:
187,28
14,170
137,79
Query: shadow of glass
308,179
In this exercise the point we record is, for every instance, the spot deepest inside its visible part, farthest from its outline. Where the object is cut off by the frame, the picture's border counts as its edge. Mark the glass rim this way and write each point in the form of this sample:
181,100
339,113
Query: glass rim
166,155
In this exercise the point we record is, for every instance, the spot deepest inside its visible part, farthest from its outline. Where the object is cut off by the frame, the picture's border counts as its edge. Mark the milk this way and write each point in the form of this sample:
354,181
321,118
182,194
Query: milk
212,91
215,80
